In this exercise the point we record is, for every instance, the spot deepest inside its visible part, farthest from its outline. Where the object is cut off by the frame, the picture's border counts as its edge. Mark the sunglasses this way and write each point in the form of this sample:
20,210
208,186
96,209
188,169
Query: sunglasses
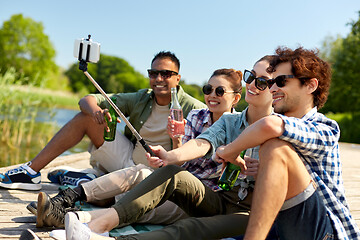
165,74
260,83
279,80
219,91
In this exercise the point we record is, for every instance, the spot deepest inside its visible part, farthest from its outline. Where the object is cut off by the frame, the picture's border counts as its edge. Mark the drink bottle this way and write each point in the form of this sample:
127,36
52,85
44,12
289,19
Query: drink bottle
176,114
110,136
230,174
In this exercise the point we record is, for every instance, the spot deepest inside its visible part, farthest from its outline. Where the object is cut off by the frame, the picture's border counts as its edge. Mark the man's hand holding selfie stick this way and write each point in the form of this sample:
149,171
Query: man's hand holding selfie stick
85,50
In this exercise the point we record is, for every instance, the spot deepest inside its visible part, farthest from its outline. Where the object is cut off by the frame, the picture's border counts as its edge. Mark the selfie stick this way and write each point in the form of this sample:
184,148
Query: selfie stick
83,67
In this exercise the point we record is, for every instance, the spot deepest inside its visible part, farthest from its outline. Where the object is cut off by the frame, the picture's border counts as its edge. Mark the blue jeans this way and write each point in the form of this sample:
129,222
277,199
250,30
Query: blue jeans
306,220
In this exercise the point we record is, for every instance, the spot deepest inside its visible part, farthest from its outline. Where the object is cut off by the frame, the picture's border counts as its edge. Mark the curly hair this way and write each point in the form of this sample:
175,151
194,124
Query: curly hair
233,76
305,65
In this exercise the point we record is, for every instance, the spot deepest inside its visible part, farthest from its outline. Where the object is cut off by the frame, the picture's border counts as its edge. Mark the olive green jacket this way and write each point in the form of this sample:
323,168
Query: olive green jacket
137,106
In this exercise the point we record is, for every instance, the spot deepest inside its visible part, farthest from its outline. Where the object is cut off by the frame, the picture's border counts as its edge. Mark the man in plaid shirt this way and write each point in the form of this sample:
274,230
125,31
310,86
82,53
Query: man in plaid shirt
299,184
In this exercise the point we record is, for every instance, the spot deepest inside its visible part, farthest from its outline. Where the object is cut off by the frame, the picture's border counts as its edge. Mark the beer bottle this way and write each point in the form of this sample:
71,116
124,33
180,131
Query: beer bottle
230,174
176,114
110,136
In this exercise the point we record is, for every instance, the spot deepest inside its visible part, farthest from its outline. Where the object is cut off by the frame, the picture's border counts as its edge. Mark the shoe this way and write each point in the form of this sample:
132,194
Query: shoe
32,207
28,234
20,178
66,177
74,229
58,234
51,211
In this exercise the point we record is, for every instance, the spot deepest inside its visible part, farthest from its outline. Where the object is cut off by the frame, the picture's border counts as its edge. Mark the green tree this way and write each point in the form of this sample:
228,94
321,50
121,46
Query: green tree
345,57
113,74
242,104
330,49
24,46
330,46
193,90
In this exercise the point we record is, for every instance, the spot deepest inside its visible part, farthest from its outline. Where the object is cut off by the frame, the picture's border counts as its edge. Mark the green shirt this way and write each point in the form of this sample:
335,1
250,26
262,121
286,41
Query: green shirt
137,106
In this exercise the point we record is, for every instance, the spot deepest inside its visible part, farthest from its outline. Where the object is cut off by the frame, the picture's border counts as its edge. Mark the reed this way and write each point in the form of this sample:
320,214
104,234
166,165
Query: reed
21,137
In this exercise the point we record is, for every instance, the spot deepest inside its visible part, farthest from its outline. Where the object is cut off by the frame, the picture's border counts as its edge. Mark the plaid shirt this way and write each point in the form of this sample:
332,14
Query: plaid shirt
315,139
207,170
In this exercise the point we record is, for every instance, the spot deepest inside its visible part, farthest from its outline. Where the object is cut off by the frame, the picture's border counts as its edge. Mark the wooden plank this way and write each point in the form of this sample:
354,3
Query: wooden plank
14,217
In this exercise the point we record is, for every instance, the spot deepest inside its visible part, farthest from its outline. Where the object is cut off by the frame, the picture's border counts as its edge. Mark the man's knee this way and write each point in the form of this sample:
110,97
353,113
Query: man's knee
280,156
85,123
277,150
83,118
143,172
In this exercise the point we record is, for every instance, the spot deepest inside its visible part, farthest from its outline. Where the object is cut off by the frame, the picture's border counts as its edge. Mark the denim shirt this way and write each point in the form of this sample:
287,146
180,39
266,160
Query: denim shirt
224,131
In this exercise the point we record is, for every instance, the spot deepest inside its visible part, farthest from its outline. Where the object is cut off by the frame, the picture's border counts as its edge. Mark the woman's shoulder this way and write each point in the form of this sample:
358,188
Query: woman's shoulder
199,112
233,117
233,114
198,115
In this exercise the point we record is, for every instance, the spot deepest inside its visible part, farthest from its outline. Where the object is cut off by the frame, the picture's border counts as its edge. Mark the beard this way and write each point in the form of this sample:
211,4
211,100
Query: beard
279,111
287,105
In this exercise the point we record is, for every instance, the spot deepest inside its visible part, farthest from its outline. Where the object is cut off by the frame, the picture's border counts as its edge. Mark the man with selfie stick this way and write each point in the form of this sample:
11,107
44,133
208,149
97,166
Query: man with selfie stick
83,67
147,110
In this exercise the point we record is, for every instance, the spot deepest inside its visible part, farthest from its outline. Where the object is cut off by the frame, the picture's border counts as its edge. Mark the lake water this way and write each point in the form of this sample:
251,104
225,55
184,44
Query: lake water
61,117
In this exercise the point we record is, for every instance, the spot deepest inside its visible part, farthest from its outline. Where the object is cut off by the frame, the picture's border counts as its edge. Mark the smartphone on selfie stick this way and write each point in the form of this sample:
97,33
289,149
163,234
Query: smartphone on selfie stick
85,50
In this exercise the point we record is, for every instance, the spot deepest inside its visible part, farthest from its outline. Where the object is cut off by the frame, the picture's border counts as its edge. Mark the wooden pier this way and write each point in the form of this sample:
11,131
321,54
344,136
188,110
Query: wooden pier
14,217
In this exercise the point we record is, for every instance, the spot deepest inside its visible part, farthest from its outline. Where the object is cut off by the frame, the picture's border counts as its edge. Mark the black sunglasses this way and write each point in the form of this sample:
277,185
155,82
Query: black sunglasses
260,83
165,74
279,80
219,91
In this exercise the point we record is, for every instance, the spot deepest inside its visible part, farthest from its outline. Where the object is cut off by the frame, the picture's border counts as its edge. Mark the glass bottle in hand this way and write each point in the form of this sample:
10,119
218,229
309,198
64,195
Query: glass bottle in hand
176,114
110,136
230,174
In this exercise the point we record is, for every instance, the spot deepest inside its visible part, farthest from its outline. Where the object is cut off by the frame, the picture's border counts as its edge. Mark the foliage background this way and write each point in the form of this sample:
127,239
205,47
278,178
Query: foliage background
28,56
343,103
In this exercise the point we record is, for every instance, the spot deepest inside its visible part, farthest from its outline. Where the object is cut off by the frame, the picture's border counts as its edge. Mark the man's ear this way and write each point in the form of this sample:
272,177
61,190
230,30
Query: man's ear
312,85
178,78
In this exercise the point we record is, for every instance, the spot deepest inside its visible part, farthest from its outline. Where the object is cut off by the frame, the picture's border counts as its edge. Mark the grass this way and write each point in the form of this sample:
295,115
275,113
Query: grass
21,137
58,99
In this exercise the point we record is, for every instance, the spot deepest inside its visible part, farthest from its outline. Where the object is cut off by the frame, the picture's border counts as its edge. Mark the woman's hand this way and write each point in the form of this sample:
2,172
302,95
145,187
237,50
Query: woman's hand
252,166
160,159
172,126
223,153
221,157
176,140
